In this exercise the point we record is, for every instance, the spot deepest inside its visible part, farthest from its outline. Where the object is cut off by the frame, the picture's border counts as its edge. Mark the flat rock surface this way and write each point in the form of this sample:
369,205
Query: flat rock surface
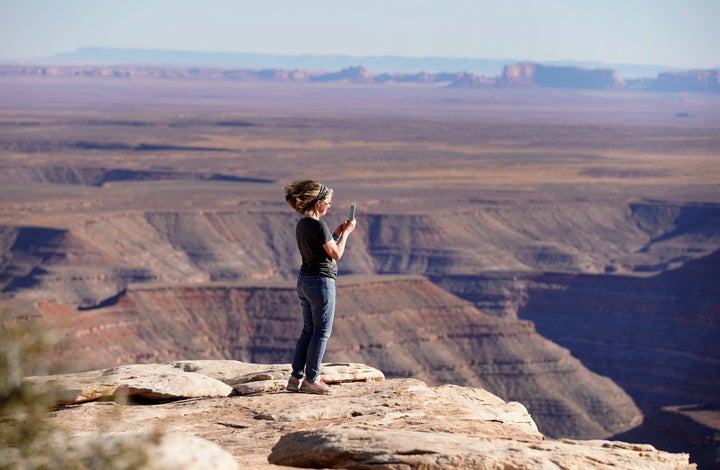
136,381
346,447
148,451
398,423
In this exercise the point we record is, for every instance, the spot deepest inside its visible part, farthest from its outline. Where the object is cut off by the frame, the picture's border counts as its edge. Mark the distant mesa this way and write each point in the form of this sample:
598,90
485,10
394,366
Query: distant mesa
520,75
700,81
468,80
350,74
527,74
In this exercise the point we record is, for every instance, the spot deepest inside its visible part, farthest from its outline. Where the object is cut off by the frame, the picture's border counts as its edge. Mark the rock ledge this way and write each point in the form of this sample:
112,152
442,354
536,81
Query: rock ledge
368,423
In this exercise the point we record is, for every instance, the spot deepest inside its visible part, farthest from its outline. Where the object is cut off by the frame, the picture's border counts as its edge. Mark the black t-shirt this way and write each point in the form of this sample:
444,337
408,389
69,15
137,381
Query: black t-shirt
311,235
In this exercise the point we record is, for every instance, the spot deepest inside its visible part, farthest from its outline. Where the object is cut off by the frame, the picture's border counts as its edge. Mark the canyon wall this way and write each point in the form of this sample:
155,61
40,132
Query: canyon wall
406,326
657,337
654,334
99,256
150,286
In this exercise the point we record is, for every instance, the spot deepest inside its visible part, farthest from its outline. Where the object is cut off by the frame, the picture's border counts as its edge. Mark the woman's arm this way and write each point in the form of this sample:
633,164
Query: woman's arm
335,249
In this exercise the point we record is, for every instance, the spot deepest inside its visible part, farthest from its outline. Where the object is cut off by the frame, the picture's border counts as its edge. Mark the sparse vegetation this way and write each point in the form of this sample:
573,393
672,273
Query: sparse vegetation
28,438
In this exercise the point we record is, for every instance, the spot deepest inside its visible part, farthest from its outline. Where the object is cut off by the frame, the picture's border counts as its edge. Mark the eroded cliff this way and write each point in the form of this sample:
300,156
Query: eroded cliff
140,286
97,257
408,327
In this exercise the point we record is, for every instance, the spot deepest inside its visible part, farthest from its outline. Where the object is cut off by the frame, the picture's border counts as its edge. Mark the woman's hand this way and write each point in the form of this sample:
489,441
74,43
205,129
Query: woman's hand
345,228
336,249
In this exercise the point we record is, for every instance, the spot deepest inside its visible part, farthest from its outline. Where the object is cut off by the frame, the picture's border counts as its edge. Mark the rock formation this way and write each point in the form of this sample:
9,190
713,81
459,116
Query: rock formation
678,354
167,247
698,81
663,325
349,75
518,75
525,74
407,327
367,423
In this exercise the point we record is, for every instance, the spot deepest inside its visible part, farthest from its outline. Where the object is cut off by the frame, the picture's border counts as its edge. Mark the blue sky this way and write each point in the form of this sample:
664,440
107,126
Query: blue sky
677,33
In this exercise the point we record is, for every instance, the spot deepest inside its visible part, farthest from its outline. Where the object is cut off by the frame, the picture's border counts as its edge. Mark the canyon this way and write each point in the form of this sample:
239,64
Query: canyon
554,248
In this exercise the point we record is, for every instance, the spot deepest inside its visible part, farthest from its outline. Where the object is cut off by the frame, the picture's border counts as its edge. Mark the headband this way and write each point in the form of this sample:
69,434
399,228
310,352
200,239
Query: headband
321,194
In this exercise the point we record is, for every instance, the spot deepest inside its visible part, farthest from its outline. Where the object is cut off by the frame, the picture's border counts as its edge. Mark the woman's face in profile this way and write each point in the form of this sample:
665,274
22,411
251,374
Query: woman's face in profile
323,207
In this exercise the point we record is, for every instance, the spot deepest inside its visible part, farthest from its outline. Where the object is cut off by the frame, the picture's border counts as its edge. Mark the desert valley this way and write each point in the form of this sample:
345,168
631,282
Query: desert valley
555,247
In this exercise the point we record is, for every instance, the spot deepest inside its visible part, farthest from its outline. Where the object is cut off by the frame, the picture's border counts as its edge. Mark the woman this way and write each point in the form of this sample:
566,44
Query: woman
320,250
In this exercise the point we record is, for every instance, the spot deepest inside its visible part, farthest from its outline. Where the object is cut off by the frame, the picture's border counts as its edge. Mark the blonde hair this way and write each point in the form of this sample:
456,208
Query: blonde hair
301,195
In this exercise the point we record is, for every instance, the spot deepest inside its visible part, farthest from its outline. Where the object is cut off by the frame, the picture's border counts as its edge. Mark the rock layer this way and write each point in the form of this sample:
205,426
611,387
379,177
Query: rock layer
657,337
405,326
365,449
97,258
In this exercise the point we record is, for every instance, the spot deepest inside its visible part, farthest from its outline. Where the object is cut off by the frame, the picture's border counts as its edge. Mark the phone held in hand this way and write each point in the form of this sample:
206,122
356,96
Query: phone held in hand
351,216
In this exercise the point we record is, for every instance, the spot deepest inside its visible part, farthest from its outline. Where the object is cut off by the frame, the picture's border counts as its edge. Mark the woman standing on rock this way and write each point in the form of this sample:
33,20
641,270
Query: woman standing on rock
320,249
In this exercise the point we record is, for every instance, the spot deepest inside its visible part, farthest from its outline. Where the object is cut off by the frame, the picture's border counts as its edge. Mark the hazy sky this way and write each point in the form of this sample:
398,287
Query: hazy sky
678,33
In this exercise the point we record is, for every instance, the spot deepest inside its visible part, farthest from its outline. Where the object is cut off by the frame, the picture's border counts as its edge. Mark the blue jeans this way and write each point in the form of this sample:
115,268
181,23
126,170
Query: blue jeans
317,297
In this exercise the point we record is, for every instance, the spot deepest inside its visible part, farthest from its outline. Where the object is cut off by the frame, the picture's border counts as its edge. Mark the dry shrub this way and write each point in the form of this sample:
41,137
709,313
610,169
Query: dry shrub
28,438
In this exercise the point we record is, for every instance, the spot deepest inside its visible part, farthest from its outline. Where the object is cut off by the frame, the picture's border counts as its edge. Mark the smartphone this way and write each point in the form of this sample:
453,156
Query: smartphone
351,216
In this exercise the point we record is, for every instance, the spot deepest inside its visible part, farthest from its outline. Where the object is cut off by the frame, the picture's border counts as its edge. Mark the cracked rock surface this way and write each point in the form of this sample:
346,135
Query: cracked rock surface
368,422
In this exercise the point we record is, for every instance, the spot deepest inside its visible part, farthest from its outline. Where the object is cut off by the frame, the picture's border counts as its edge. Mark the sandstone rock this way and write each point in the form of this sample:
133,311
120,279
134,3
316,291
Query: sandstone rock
247,378
364,448
153,382
386,422
148,452
411,404
338,373
187,379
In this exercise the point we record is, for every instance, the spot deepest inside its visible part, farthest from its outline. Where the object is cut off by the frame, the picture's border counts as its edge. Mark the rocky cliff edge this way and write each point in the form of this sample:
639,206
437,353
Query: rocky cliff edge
230,414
